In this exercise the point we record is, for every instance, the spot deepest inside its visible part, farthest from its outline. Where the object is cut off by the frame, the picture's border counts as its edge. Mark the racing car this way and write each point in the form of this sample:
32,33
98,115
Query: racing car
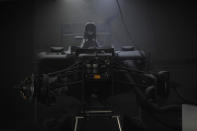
92,73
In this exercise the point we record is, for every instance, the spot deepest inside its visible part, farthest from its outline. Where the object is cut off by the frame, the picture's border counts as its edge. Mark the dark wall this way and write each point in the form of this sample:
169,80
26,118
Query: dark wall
165,28
17,47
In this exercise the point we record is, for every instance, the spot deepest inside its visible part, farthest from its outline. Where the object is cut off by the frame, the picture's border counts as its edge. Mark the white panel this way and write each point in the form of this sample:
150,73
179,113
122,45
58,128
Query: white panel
189,117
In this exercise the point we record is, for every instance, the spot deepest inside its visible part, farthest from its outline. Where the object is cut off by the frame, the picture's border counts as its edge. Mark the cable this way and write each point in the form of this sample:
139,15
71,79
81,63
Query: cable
126,29
64,70
187,101
123,67
124,23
